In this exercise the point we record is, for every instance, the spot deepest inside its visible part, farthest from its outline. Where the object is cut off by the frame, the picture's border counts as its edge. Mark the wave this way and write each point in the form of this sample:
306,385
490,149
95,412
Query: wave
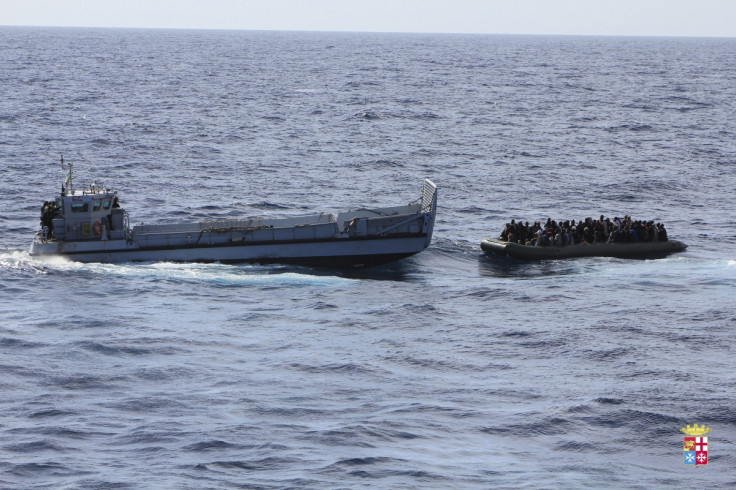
222,275
267,205
20,261
636,127
367,115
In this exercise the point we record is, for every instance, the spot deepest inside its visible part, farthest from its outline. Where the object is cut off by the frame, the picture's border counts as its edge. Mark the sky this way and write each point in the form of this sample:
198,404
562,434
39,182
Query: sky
702,18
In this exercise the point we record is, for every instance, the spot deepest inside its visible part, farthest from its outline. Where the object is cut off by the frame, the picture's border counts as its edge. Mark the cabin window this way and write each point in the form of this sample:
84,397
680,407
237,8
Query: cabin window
80,207
106,204
96,205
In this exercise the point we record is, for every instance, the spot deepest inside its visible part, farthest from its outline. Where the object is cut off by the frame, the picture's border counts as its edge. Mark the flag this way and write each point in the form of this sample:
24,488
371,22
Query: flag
67,179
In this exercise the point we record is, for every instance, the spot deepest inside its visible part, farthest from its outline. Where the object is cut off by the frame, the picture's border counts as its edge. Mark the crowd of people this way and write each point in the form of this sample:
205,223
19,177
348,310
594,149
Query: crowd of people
602,230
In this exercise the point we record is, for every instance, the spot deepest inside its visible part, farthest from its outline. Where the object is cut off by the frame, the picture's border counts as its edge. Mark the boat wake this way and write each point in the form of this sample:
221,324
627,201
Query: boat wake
21,261
444,255
224,275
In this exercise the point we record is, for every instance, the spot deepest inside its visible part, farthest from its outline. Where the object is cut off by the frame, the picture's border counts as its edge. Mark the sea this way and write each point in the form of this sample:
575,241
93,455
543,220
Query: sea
448,369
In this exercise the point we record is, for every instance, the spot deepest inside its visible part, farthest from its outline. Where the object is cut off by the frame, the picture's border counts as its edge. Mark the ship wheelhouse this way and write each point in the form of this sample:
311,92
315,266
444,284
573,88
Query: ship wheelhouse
88,214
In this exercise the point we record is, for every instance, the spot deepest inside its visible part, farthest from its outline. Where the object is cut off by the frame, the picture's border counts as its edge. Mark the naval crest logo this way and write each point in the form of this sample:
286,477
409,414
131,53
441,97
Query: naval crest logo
695,447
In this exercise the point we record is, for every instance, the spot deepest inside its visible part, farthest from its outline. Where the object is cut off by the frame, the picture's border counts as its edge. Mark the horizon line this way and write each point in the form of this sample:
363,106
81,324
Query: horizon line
690,36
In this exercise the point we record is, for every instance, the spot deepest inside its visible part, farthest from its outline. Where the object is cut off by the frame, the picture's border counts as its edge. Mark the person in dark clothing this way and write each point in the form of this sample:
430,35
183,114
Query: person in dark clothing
47,217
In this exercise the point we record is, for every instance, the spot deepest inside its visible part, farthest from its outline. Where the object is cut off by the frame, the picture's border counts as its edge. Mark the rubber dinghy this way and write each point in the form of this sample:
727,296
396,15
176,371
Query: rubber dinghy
629,250
88,225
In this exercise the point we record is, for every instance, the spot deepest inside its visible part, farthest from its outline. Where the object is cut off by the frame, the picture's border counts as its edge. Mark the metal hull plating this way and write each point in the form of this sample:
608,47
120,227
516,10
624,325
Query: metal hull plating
339,252
620,250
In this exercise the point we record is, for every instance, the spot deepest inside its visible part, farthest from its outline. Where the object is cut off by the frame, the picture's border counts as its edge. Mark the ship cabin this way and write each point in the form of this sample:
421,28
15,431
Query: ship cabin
84,215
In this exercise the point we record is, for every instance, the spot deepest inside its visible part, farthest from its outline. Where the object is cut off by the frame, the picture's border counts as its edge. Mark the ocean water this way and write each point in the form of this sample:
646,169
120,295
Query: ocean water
445,370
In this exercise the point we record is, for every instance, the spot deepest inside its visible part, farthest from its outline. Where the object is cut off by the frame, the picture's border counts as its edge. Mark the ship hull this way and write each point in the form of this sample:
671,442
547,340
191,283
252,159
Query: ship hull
634,250
338,252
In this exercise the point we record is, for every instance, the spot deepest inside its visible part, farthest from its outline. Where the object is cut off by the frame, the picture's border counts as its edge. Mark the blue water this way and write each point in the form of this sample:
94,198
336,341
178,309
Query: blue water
447,369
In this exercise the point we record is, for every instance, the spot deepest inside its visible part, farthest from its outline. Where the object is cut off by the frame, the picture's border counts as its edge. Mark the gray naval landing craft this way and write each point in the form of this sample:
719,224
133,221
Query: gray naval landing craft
89,226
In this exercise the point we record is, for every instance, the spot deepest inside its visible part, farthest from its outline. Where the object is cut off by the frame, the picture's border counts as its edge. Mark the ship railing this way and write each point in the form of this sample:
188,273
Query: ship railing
127,230
429,196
